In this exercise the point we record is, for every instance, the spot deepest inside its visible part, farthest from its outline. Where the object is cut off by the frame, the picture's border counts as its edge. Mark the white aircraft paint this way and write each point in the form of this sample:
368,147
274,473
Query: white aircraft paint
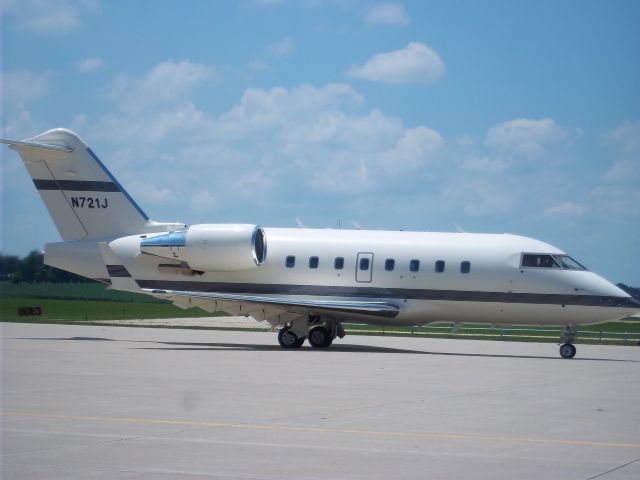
307,280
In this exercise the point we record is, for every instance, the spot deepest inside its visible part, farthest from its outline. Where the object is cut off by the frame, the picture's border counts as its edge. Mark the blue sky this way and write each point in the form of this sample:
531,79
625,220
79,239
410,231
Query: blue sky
513,116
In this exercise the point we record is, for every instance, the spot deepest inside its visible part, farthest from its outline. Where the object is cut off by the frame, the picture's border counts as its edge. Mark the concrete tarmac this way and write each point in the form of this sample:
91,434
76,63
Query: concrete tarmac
82,402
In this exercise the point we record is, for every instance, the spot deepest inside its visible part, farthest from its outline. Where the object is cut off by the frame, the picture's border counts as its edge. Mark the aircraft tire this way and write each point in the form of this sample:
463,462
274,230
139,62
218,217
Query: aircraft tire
567,350
319,337
288,339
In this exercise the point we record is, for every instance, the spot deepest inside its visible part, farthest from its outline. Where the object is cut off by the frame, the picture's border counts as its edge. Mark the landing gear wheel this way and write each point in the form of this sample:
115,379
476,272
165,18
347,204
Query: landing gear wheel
288,339
319,337
567,350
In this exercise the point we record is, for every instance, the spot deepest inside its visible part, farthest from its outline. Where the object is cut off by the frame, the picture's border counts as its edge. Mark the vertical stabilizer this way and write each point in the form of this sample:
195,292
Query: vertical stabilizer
83,198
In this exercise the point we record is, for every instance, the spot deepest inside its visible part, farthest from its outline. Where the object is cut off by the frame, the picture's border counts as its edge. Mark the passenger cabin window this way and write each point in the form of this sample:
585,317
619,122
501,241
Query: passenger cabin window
439,266
364,264
389,264
465,267
313,262
290,261
540,260
338,263
414,265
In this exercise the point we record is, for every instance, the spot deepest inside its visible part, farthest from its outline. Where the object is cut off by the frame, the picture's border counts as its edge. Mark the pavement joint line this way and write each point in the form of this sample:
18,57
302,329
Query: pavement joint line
303,429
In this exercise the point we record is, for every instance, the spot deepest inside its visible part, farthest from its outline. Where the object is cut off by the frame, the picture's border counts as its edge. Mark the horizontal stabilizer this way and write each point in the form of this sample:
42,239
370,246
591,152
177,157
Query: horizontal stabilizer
24,145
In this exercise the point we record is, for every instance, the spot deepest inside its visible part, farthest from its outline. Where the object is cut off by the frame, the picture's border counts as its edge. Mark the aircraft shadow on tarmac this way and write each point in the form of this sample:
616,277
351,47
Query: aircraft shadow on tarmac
219,346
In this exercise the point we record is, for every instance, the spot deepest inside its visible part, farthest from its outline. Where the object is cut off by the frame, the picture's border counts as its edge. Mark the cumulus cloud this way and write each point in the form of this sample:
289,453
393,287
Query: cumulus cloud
524,136
625,137
203,201
283,48
387,13
167,82
565,209
417,63
617,192
485,164
412,150
89,65
23,86
43,18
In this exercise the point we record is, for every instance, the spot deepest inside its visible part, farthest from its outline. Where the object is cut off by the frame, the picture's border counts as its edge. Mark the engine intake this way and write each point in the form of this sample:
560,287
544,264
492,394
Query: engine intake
211,247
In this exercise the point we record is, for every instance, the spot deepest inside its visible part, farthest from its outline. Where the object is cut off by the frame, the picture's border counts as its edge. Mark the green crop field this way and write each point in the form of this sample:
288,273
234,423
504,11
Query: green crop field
83,302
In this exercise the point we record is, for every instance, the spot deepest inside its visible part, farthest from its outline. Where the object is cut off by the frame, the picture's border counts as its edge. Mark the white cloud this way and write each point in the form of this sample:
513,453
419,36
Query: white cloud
412,150
565,209
524,136
166,83
625,137
262,110
89,65
345,174
417,63
623,170
259,65
387,13
485,164
283,48
43,18
203,201
22,86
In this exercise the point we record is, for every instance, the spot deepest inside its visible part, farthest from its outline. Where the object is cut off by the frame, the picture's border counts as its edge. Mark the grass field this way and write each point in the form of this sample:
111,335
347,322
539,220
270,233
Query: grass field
94,303
84,302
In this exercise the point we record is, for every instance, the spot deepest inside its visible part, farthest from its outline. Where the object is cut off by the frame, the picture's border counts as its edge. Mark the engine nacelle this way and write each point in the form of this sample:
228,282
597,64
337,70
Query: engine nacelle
211,247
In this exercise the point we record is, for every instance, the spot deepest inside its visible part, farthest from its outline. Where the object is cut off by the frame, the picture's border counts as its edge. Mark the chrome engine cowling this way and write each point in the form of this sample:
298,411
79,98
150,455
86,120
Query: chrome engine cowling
211,247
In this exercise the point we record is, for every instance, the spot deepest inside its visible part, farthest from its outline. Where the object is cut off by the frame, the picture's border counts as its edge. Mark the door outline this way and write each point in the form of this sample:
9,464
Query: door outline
364,276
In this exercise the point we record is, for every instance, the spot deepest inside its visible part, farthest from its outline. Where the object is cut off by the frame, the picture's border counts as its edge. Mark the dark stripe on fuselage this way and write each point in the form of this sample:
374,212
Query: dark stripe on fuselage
76,185
396,293
117,271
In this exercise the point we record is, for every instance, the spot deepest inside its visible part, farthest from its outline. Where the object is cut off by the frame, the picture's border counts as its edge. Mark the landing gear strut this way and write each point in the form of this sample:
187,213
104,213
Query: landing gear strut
568,336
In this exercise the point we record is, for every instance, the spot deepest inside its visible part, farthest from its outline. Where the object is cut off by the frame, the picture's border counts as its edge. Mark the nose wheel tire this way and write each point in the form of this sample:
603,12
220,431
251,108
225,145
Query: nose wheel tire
319,337
567,350
288,339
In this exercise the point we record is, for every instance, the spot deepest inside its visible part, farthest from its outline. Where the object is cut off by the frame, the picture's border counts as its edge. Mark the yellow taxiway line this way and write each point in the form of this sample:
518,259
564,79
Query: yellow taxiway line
327,430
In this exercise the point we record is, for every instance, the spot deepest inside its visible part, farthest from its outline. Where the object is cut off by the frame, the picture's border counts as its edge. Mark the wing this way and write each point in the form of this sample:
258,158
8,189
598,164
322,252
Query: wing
278,310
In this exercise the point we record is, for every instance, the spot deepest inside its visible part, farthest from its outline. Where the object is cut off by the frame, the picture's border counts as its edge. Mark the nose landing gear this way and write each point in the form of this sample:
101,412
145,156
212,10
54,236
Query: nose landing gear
567,350
568,336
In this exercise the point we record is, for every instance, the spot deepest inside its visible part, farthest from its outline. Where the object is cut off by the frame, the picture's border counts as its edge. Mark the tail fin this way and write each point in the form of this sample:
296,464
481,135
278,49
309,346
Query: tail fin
83,198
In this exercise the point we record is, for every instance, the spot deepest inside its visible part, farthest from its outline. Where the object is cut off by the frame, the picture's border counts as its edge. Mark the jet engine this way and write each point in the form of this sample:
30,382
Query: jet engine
211,247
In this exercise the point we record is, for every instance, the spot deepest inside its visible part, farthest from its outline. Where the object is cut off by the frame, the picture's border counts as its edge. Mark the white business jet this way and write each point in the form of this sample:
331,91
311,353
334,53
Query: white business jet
307,281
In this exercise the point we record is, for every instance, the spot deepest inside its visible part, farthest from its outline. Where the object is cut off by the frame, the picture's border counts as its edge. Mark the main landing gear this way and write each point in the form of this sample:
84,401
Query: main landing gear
568,336
320,333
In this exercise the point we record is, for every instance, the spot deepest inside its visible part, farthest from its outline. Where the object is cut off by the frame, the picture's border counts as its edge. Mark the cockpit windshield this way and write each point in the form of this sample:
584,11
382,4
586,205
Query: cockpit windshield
569,263
543,260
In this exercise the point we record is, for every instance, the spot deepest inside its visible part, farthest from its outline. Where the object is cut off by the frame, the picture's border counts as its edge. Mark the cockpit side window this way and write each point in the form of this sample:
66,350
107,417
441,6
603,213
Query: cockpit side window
542,260
538,261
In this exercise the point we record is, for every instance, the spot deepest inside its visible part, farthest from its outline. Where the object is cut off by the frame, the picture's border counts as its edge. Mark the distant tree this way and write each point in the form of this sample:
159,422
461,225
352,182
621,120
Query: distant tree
634,292
8,266
32,269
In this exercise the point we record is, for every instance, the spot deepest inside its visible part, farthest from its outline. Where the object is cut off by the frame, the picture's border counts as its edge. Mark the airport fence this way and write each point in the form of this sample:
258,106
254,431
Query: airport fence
541,334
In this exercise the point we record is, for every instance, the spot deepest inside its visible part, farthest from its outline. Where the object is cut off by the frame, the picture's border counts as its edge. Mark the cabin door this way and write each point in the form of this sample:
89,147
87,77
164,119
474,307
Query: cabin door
364,267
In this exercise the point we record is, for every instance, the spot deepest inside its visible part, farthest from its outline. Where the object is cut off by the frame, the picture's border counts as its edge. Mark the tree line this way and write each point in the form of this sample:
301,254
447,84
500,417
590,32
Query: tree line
31,269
